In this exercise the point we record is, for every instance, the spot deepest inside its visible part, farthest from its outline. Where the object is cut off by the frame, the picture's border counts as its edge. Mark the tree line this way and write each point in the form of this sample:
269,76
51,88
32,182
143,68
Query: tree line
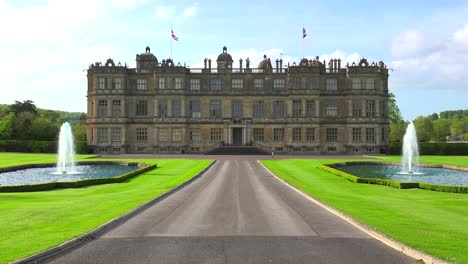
24,121
446,126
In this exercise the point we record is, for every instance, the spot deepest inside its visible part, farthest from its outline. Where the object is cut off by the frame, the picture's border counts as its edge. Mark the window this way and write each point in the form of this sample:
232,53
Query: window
141,134
215,85
176,135
278,109
162,108
162,83
311,84
369,84
141,108
195,109
195,135
177,83
163,135
356,83
297,108
102,108
237,109
295,83
356,108
278,134
370,135
102,135
370,108
383,135
195,84
116,108
310,108
115,134
278,84
258,84
117,83
141,84
383,108
216,134
101,83
331,109
296,133
356,133
215,109
332,135
258,109
310,134
382,85
332,84
258,134
176,111
237,84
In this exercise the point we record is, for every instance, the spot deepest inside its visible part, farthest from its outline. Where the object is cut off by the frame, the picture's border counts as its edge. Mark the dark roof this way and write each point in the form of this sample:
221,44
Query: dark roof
224,56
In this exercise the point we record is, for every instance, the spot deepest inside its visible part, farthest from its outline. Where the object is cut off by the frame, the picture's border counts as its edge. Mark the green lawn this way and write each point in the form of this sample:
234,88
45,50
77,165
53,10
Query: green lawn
433,222
34,221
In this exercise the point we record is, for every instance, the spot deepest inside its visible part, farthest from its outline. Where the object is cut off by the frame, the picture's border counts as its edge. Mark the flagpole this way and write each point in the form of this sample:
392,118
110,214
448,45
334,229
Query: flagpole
303,41
171,42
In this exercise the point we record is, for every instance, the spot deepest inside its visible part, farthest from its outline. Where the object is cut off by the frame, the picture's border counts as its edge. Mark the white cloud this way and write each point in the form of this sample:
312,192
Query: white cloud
165,13
127,3
428,66
190,11
413,43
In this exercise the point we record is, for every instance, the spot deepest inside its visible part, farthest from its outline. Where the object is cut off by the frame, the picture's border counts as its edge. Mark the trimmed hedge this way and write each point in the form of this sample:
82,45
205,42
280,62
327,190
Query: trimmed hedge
75,184
33,146
427,148
391,183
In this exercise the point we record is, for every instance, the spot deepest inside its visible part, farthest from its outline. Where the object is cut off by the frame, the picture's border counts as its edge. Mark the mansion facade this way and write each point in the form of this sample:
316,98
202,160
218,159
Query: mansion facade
305,108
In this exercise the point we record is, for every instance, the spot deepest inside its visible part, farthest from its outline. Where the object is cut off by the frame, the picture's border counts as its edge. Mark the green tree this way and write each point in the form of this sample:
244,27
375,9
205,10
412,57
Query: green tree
459,128
25,106
44,129
397,131
394,113
7,125
79,132
424,128
441,129
434,116
23,125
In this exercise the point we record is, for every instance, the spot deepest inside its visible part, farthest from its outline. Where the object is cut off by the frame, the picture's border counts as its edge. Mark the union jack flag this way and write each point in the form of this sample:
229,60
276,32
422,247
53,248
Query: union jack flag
304,32
174,35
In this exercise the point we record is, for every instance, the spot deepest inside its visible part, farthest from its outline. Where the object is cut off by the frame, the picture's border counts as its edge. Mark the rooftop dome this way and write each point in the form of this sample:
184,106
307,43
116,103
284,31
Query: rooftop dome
265,63
224,56
147,56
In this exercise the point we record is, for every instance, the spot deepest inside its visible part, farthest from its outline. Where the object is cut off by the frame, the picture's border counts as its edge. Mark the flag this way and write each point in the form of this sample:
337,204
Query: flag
174,35
304,33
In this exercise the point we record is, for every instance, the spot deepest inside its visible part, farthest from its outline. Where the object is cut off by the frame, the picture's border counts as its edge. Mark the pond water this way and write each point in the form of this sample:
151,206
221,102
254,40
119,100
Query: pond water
49,174
428,175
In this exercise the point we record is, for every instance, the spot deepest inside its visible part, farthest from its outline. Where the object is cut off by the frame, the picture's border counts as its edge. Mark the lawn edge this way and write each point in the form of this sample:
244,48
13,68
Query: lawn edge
416,254
86,237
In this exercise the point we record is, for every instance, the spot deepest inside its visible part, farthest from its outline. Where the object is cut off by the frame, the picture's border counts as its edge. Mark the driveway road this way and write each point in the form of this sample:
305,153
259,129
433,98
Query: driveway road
235,213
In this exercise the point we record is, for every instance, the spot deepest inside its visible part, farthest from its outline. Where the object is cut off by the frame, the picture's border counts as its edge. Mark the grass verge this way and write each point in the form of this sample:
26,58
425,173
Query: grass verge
432,222
34,221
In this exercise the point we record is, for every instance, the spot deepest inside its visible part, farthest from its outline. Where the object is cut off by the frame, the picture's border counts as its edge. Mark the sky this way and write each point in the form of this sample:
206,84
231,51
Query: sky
47,45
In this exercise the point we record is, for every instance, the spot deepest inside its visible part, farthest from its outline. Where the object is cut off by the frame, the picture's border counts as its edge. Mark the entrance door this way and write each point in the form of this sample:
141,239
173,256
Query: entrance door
237,135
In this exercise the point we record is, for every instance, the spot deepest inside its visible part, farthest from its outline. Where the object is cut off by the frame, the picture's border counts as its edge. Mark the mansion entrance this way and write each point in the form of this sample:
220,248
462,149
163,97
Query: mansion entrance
237,136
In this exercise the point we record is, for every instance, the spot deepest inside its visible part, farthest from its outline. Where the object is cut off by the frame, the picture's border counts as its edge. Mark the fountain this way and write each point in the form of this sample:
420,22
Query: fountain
66,150
410,157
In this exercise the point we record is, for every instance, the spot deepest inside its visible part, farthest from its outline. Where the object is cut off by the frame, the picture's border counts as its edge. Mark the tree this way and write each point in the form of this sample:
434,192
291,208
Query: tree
441,129
434,116
397,131
79,132
25,106
424,128
459,128
23,125
394,113
6,126
44,129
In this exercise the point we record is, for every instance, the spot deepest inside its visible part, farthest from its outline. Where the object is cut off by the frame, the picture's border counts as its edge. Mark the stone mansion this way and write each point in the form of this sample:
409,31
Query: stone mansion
304,108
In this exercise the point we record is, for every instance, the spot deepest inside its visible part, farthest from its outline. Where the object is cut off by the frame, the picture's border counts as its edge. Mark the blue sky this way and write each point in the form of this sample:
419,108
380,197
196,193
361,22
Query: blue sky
46,45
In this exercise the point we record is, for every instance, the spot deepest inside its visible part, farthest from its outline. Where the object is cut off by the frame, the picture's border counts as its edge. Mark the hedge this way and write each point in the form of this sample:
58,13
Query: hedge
77,184
391,183
428,148
33,146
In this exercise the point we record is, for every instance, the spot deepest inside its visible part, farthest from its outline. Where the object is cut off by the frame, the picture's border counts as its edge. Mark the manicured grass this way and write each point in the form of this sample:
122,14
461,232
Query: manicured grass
8,159
32,222
433,222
